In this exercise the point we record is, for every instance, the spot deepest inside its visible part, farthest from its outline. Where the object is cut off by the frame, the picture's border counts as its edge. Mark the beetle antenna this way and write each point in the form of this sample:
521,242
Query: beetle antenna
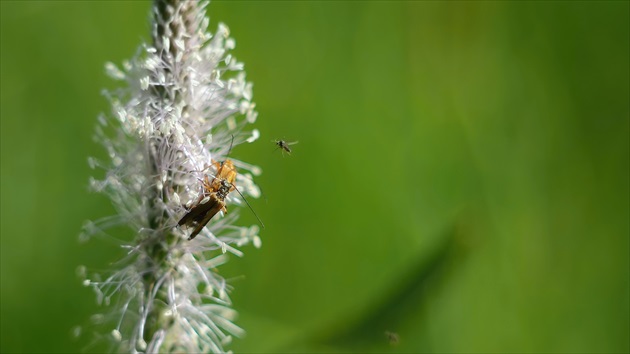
250,207
230,149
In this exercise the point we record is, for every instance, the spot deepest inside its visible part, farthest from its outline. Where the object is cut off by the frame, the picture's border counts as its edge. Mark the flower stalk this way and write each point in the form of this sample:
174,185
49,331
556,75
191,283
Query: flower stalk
185,102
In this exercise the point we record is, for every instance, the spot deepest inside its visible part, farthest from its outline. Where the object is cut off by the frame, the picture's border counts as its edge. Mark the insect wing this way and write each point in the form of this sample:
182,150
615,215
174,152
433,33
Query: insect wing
214,205
196,214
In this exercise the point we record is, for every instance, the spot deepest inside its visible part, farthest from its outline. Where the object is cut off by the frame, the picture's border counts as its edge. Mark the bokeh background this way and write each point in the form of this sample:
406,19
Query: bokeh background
461,178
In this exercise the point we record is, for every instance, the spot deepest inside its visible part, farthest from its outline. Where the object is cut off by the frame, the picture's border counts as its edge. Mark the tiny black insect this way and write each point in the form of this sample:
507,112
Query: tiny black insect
284,145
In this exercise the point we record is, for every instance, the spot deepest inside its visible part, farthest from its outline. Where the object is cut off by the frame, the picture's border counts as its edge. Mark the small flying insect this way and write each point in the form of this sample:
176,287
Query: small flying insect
392,337
284,145
212,199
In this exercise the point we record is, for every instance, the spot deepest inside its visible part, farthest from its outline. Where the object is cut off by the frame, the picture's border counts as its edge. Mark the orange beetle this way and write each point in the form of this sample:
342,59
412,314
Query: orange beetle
212,200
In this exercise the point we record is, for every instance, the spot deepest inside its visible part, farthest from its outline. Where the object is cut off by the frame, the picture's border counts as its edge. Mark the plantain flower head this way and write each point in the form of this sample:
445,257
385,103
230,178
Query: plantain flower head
184,104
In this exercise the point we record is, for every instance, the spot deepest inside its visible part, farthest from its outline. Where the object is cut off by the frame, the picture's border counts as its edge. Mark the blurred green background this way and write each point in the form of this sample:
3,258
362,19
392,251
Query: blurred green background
461,178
